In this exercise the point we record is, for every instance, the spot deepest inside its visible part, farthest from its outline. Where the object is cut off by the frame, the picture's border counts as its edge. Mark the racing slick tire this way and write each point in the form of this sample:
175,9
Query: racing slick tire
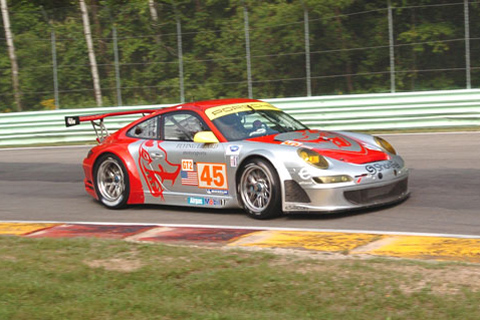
111,181
259,189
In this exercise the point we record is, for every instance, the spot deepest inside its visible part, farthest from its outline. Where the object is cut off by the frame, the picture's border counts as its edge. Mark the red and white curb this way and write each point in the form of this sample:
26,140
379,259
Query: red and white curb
351,243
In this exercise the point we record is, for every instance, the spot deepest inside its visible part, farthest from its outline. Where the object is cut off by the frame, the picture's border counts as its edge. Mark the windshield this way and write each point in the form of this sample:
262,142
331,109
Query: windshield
256,123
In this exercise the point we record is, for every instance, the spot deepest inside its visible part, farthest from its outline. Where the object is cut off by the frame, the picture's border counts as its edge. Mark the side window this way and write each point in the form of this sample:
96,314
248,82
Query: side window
145,130
182,126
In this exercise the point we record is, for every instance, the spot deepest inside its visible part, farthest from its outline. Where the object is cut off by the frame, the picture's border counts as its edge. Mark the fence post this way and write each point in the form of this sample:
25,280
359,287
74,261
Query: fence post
467,45
307,50
247,48
53,42
391,48
55,70
180,55
117,66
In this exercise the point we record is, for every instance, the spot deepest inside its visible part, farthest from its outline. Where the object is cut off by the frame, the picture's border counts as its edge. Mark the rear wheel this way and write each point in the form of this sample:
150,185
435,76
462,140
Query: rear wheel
111,181
259,190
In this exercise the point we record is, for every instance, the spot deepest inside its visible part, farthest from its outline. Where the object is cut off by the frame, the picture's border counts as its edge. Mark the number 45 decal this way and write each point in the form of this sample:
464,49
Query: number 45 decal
212,175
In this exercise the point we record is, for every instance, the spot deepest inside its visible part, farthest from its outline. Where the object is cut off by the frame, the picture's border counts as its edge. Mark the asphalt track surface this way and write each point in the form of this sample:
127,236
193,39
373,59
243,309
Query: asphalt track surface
46,184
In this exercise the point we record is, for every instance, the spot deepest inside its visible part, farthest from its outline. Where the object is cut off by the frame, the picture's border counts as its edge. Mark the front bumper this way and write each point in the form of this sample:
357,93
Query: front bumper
378,195
330,198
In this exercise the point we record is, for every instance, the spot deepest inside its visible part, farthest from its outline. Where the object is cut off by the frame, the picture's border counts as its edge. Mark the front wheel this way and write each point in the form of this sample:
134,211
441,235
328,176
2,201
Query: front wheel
259,190
111,181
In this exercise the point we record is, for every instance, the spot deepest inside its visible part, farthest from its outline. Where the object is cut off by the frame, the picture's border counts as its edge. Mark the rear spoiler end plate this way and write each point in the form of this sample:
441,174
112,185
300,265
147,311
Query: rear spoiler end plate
72,121
97,121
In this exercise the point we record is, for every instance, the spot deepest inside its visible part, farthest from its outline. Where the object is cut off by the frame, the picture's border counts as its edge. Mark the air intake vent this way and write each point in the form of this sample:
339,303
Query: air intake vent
295,193
379,194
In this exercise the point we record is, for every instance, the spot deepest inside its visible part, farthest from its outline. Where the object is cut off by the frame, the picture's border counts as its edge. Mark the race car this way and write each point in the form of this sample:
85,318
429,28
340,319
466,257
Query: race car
239,153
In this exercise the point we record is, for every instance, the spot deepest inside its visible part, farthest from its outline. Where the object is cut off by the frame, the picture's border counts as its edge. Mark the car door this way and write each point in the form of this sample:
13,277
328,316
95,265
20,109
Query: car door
191,173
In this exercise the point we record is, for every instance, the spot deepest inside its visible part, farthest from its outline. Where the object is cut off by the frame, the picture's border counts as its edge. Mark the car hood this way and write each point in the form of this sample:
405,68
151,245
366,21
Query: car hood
329,144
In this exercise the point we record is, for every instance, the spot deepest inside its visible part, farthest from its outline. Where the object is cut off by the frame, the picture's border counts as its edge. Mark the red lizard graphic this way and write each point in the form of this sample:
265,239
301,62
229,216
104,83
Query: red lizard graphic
155,185
318,137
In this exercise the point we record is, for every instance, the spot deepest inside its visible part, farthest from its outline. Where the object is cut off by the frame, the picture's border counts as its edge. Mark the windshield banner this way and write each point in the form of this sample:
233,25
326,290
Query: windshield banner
220,111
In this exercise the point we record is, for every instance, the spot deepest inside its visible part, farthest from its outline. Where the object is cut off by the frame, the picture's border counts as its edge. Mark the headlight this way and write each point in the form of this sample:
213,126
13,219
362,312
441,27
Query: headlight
333,179
384,144
313,158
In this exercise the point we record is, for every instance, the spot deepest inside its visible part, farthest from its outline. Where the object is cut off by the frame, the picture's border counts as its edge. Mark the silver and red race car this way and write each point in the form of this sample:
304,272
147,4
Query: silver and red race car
235,153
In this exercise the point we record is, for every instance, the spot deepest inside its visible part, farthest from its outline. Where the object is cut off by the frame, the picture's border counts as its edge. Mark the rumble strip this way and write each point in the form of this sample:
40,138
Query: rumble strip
410,246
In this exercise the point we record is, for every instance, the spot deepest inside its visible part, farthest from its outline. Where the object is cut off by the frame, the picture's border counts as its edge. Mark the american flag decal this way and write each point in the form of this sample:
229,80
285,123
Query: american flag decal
189,178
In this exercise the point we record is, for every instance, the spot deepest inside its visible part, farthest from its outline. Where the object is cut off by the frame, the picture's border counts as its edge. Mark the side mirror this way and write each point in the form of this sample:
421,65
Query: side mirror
205,137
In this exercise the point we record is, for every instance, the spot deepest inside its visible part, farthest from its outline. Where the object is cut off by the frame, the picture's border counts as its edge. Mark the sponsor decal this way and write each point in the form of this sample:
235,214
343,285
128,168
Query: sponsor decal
189,178
212,175
306,183
220,111
378,167
233,161
292,143
187,164
190,146
72,121
233,150
196,201
360,178
304,174
215,191
213,202
293,207
196,149
194,153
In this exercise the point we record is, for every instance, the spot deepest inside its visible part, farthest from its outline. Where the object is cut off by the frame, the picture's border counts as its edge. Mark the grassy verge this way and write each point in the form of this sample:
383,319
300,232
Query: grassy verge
99,279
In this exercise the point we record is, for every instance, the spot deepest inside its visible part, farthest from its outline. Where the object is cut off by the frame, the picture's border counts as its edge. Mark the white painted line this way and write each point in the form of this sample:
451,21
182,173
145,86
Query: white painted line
393,233
426,133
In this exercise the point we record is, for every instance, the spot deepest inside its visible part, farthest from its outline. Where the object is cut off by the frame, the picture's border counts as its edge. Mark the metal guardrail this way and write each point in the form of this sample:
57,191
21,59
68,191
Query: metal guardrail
417,110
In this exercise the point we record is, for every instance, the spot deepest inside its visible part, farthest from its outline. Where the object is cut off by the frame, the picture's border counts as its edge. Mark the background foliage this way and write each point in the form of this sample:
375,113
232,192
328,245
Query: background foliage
349,49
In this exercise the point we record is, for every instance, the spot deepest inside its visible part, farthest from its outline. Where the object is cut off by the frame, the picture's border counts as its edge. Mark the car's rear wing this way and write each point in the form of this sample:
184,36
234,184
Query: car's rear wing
97,121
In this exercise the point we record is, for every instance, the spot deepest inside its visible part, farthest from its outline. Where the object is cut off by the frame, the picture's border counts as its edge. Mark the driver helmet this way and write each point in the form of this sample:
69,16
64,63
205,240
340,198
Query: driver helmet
230,120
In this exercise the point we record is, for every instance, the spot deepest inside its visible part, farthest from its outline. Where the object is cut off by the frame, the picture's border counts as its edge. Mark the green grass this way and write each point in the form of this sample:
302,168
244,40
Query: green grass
107,279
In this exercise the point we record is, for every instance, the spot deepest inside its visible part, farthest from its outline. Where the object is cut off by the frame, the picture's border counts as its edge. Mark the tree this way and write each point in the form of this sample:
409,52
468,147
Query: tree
348,49
91,53
12,55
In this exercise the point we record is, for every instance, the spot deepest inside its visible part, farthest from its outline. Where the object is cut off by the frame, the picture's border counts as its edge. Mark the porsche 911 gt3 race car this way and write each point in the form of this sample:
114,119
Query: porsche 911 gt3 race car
239,153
